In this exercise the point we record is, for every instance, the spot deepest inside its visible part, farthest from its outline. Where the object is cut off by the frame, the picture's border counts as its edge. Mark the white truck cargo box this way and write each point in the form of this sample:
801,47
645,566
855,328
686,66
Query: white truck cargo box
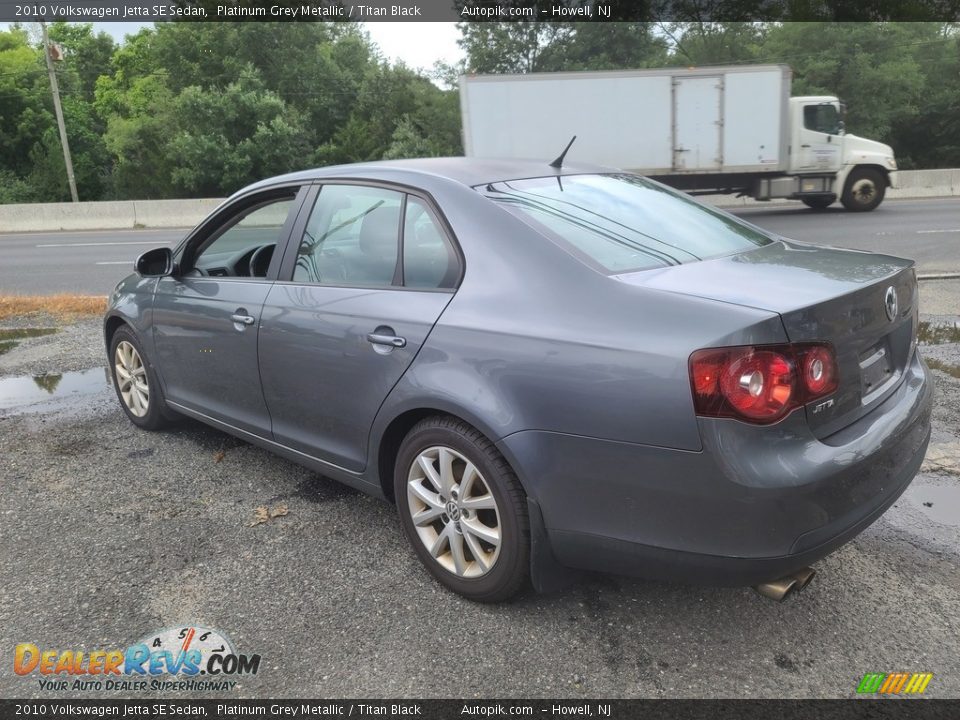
654,122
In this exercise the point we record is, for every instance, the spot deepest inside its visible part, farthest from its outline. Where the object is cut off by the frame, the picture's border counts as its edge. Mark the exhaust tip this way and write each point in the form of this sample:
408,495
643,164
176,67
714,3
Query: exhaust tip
779,589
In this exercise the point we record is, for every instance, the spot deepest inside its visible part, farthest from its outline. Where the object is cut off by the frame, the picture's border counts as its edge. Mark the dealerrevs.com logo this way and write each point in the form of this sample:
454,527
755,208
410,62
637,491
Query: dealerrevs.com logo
186,658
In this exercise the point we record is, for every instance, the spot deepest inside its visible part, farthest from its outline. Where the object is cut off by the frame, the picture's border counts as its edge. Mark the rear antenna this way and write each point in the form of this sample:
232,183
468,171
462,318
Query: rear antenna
558,163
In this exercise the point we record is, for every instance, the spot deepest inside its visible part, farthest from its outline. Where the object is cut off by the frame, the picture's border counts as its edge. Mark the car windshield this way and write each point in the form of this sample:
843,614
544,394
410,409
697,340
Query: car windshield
622,223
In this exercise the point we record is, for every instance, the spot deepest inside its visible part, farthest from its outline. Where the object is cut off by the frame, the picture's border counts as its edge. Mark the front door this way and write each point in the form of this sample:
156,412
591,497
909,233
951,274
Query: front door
356,299
206,317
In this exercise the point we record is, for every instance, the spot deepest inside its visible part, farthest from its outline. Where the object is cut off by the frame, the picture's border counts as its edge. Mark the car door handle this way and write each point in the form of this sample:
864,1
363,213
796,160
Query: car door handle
804,146
243,319
393,340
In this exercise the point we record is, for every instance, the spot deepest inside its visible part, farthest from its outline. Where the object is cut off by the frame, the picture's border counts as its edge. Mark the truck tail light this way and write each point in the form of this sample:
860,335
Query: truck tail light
761,384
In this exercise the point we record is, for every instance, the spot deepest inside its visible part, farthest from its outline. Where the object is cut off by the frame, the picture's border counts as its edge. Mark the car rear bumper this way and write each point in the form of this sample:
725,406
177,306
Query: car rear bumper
755,504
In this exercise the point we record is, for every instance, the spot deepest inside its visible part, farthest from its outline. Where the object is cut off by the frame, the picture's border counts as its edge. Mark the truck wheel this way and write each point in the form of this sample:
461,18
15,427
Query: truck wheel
462,509
864,190
819,202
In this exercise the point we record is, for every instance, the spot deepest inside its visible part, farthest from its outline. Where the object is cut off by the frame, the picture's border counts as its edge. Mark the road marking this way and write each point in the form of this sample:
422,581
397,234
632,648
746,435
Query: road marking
930,232
116,262
137,242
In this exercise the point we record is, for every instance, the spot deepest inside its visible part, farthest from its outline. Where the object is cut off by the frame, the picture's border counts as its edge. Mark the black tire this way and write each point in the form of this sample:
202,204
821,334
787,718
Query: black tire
864,190
819,202
510,570
158,415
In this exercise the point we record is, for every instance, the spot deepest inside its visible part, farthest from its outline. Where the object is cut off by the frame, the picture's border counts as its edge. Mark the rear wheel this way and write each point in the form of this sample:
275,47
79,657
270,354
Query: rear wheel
463,510
819,202
864,190
135,382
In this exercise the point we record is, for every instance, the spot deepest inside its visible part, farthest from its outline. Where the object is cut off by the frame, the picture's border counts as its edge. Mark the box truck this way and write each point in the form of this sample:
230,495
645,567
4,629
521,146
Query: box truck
704,130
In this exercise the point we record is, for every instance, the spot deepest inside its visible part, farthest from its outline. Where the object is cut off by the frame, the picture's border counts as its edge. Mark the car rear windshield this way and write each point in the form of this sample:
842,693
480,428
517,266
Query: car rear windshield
621,223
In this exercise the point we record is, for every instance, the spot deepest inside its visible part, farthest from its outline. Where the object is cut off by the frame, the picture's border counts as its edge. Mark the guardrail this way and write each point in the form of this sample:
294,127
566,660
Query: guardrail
129,214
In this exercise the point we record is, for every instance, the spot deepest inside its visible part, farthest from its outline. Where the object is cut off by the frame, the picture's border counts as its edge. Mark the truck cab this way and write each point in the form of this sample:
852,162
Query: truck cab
830,163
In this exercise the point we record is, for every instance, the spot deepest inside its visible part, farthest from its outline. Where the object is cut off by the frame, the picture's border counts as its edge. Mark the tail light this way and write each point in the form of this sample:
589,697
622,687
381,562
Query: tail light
761,384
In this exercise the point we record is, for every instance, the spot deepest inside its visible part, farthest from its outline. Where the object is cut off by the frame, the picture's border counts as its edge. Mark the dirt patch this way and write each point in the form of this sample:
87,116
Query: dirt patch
949,368
938,333
9,338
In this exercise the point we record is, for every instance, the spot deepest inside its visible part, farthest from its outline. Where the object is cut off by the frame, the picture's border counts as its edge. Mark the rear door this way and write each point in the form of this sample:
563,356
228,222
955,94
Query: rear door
207,316
365,277
697,123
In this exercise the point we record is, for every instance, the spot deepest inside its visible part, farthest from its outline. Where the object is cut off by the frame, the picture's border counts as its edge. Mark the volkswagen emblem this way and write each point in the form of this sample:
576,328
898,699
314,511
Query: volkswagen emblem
890,303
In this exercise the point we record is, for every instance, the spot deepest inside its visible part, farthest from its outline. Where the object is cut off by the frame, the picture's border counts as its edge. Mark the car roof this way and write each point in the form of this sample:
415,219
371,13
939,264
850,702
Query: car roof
467,171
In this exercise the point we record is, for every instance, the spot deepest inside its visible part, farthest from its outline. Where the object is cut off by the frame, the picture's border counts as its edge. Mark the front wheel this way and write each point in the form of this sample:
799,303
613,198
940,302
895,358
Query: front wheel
864,190
463,510
135,382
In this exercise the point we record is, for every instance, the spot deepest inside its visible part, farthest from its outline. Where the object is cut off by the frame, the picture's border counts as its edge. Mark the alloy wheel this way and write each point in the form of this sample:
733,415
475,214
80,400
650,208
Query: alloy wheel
454,512
131,378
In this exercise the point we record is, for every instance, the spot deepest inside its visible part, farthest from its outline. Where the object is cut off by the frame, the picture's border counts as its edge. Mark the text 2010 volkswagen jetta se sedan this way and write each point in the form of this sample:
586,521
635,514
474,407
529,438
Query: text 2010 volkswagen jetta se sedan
544,368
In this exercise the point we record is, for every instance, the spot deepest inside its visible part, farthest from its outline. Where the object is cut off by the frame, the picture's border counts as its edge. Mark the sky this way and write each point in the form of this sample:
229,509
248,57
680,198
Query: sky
418,44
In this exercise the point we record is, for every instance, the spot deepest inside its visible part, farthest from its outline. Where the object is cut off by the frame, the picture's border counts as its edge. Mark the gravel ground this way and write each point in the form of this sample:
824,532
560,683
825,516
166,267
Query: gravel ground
109,533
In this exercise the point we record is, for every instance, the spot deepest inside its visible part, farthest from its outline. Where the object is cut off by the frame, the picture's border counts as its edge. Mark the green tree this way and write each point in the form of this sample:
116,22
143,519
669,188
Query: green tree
24,93
228,138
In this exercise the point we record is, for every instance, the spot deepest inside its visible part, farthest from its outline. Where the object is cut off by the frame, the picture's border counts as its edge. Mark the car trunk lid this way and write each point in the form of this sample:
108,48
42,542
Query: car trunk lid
827,295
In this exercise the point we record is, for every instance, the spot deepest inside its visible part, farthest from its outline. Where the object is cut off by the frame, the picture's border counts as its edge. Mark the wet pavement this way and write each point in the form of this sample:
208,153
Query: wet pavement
110,533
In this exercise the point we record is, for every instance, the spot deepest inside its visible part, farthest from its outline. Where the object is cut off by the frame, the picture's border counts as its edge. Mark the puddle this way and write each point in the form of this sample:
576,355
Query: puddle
940,503
9,338
23,392
929,334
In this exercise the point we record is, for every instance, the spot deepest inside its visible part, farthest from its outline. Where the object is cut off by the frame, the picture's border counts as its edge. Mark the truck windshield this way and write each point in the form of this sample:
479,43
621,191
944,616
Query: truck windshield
621,223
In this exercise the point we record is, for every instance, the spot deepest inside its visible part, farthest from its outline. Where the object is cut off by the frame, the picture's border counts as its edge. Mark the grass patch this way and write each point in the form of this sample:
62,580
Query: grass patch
62,307
7,345
948,368
937,334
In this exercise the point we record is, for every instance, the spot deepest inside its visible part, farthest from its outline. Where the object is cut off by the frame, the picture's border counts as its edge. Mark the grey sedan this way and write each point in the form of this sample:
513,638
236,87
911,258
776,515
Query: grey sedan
544,368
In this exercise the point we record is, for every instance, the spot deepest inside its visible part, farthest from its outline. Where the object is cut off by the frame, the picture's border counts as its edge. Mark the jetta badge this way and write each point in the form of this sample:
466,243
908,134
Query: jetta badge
890,303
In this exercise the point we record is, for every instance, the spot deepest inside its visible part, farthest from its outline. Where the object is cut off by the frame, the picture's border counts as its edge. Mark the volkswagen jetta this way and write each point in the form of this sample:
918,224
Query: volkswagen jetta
544,368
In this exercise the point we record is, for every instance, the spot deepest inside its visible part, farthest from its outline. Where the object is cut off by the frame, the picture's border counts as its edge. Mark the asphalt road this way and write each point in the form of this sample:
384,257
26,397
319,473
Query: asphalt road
93,261
88,262
928,231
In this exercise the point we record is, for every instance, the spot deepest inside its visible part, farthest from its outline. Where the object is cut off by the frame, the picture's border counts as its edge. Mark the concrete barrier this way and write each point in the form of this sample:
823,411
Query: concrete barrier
128,214
926,183
171,213
109,215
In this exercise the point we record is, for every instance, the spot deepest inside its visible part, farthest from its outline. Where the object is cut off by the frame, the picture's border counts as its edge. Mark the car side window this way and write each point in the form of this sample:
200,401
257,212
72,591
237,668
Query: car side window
428,259
244,245
352,237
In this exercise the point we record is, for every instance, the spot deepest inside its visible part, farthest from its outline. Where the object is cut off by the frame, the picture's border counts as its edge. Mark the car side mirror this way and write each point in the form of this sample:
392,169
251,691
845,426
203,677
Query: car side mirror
841,126
155,263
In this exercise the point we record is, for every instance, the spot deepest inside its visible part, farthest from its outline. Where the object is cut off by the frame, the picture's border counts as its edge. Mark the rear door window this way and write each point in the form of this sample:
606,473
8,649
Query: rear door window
351,238
621,223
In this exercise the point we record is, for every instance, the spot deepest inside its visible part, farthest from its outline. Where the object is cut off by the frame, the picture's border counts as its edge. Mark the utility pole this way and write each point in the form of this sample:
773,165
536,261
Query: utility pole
55,89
